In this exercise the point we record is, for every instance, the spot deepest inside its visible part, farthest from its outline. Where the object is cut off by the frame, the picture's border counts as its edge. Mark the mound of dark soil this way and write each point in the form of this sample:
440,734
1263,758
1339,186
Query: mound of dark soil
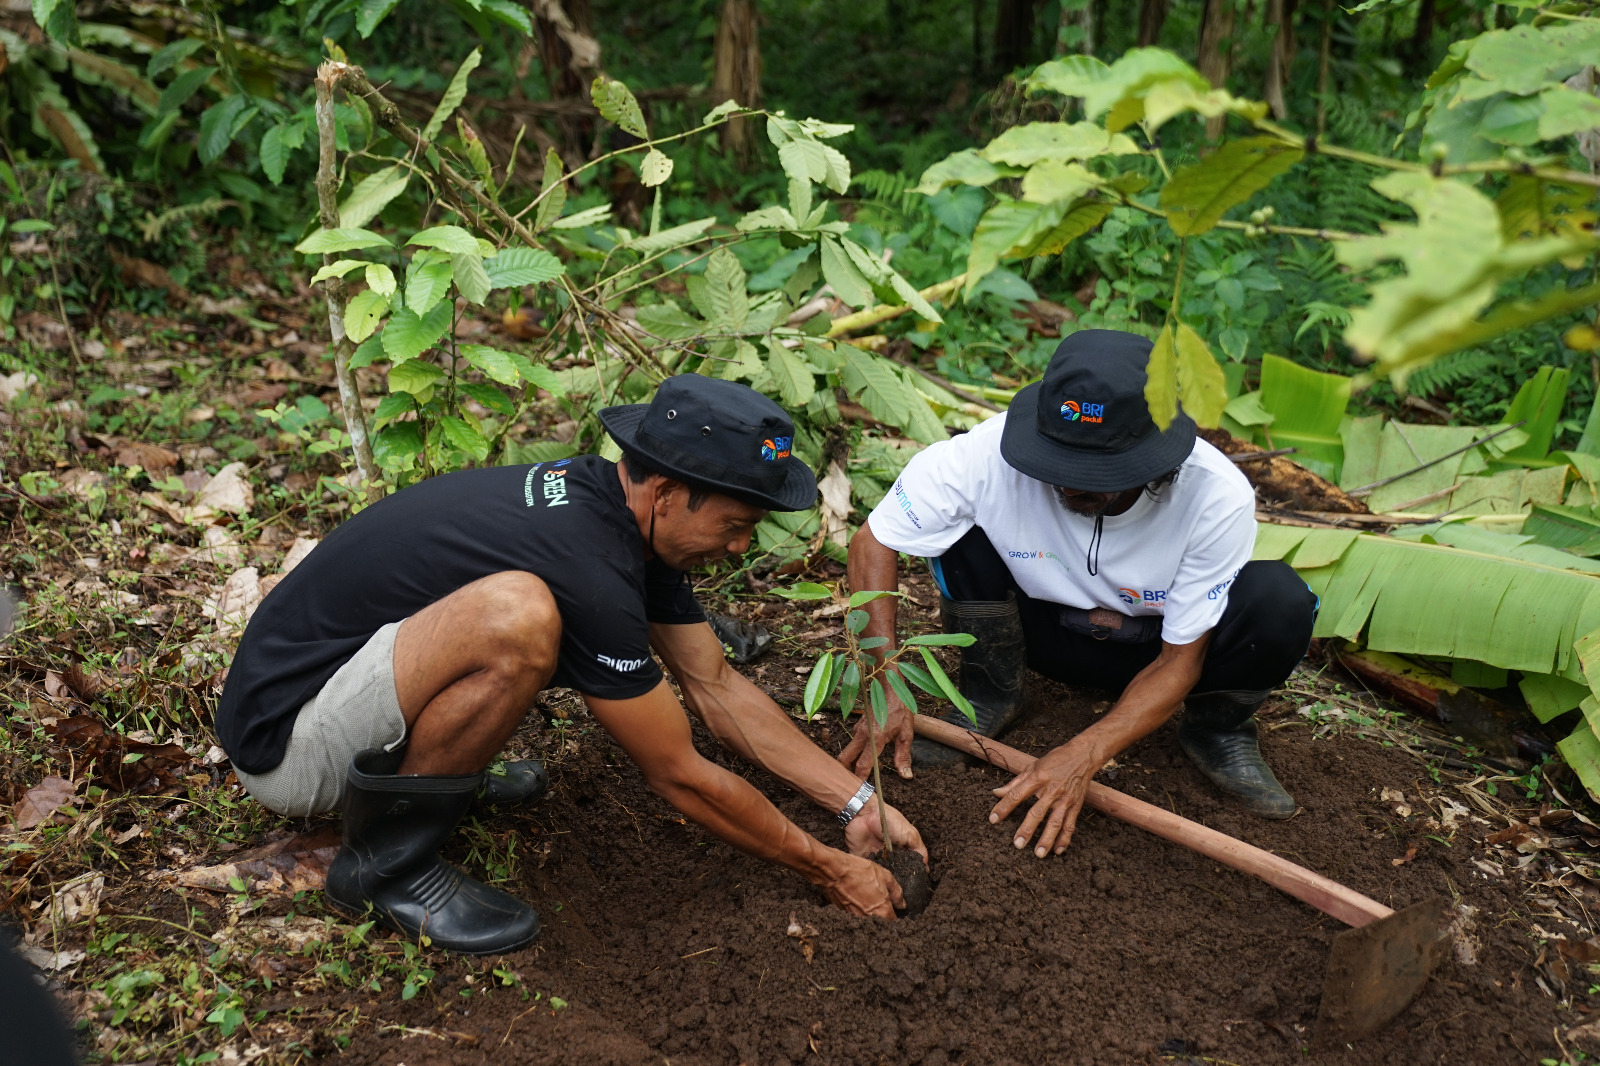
1282,482
670,946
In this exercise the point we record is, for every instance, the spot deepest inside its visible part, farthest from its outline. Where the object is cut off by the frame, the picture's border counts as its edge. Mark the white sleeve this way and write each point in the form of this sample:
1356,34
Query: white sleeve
1210,562
932,503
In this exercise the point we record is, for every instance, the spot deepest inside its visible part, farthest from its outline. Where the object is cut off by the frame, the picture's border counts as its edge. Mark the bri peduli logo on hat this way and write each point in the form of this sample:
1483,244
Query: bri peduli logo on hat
1073,411
775,448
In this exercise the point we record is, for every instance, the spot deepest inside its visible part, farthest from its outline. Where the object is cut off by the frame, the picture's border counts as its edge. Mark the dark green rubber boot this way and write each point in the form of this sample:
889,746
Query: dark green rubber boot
523,781
389,863
1218,733
992,673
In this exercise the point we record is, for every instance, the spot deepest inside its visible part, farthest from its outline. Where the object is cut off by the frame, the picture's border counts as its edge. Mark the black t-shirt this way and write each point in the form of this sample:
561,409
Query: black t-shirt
566,522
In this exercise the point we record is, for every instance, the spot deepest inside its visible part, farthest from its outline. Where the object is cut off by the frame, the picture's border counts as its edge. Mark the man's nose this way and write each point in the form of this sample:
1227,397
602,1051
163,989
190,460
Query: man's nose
740,544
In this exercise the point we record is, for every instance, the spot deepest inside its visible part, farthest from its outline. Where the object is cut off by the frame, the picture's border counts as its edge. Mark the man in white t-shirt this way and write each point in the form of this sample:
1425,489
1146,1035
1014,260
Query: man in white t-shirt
1070,535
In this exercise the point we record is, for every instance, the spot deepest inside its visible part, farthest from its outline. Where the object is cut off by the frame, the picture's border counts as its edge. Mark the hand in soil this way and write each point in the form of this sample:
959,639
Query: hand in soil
1061,781
897,727
865,838
863,888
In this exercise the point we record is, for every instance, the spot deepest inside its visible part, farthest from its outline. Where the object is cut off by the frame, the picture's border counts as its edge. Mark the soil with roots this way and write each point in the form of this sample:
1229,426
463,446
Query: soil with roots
666,945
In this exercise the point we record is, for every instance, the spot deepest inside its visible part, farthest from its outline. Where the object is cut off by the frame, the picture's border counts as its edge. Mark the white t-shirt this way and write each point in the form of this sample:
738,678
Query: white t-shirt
1173,556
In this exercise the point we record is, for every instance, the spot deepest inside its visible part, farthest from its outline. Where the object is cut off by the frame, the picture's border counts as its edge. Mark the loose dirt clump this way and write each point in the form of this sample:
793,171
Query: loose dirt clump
1282,482
663,943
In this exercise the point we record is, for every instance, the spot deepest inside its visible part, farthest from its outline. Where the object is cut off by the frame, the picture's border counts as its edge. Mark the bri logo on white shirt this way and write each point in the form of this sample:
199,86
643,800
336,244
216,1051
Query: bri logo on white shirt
1148,596
625,666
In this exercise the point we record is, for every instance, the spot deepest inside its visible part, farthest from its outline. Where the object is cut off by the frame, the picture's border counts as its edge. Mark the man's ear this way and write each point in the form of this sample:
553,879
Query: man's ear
664,489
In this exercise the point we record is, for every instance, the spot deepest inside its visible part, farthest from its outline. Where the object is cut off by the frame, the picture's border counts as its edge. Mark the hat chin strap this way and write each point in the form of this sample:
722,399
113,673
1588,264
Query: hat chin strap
1091,555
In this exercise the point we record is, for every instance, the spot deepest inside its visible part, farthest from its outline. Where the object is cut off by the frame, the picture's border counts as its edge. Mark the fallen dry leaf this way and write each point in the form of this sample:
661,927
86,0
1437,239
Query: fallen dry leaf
836,508
803,933
227,491
154,459
297,552
44,959
237,599
42,800
1410,854
283,867
118,763
78,899
14,385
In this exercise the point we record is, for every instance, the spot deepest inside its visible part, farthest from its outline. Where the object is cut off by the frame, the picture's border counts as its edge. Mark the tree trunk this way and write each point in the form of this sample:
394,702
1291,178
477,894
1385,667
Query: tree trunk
1277,59
571,58
1152,16
1076,30
1013,34
1324,50
1415,50
1216,52
737,69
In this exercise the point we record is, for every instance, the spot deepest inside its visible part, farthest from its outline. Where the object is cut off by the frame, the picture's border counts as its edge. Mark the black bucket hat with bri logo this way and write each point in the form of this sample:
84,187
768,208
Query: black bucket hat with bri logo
720,435
1086,426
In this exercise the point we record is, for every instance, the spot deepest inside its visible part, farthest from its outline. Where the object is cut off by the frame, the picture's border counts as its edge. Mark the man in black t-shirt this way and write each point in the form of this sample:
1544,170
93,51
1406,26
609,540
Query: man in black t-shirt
390,667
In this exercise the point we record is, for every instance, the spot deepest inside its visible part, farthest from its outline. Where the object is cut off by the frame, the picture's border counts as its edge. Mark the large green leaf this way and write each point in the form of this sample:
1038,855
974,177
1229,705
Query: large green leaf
1079,219
966,167
720,295
414,376
472,281
452,239
1582,751
338,269
872,379
674,237
517,267
221,123
453,95
1571,529
552,192
372,194
1199,195
841,272
362,314
670,322
617,105
463,435
427,280
1200,381
181,88
324,241
1302,400
1009,228
371,13
1161,380
408,334
1537,405
790,373
496,365
1035,142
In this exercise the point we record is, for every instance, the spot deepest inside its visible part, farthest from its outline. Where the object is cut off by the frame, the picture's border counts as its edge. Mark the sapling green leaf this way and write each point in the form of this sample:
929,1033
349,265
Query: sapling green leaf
858,599
901,689
951,693
849,689
880,706
959,640
806,590
856,621
920,678
819,685
872,643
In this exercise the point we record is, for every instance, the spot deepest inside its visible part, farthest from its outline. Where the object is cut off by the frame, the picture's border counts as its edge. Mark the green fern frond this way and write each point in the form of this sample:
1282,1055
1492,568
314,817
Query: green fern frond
153,225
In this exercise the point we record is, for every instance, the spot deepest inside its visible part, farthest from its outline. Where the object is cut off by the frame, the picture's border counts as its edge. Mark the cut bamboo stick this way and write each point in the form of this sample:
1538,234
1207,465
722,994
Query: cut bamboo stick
1327,896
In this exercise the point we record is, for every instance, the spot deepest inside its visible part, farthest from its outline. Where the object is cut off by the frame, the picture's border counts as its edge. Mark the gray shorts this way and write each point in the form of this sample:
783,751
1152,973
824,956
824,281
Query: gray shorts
357,709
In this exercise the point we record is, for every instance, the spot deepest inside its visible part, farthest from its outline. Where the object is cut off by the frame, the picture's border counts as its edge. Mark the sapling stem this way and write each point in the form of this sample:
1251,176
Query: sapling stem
877,773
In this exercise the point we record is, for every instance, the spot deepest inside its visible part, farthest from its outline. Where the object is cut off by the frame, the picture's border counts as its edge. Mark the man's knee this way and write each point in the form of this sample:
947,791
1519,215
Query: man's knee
1275,609
518,619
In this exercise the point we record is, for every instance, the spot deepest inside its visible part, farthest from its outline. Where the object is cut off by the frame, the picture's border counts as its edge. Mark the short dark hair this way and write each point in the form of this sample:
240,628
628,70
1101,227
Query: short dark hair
641,469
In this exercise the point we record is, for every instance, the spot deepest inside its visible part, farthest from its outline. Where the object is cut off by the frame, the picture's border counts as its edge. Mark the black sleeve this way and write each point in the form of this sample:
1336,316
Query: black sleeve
668,596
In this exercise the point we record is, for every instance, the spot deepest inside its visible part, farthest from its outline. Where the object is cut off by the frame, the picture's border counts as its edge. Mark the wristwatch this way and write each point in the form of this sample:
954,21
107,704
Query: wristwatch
858,801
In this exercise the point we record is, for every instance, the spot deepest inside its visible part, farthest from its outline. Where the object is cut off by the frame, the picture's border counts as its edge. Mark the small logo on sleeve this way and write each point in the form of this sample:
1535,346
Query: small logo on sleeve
622,666
1073,411
553,484
775,448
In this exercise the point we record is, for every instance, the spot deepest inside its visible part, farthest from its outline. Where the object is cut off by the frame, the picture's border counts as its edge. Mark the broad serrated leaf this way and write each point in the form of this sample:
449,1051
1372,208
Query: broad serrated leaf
324,241
517,267
675,237
409,334
616,105
914,299
465,436
509,12
773,217
591,216
794,380
841,273
453,95
540,377
1201,385
338,269
496,365
372,12
966,167
553,192
274,154
872,379
367,352
380,279
1198,196
184,86
656,168
362,314
452,239
414,376
727,305
470,278
489,396
371,195
1161,381
1078,220
1035,142
393,406
427,280
170,55
669,322
221,123
1053,180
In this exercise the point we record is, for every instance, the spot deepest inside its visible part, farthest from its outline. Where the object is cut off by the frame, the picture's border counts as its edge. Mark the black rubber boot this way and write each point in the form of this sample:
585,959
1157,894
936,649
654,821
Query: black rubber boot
1218,733
393,826
523,782
992,672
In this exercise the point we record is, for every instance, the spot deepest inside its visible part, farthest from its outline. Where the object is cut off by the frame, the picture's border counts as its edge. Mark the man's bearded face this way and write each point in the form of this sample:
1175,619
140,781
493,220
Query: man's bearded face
1087,504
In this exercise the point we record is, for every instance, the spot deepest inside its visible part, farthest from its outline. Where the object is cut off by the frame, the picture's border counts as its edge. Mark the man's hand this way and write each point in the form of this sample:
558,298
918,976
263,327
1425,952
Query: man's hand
865,838
863,887
1061,781
896,727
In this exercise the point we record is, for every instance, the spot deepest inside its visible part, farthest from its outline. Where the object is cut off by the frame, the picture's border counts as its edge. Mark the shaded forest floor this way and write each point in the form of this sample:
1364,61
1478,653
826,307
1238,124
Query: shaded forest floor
180,922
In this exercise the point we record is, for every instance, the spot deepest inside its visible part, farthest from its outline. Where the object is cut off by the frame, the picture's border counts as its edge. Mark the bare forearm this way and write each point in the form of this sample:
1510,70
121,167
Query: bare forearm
875,568
1150,699
739,815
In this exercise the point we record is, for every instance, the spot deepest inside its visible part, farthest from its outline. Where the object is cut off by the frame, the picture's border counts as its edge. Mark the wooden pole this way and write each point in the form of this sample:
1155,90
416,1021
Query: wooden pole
355,419
1327,896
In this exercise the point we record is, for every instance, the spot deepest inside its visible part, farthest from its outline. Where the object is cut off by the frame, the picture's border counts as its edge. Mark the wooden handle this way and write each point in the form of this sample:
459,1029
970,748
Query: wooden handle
1329,897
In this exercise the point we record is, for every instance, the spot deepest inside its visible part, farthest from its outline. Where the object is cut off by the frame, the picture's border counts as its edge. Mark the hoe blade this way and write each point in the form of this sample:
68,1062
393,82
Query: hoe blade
1374,972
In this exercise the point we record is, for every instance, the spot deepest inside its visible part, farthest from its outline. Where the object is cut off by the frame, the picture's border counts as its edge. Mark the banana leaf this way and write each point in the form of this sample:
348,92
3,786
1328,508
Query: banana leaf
1571,529
1538,406
1307,407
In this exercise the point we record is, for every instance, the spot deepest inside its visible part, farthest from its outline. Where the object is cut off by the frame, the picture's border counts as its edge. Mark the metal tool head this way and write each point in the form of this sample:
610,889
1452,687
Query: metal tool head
1374,972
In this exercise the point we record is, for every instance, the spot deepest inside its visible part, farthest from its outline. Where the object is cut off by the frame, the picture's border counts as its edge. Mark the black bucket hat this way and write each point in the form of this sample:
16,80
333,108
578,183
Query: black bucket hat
1086,426
720,435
